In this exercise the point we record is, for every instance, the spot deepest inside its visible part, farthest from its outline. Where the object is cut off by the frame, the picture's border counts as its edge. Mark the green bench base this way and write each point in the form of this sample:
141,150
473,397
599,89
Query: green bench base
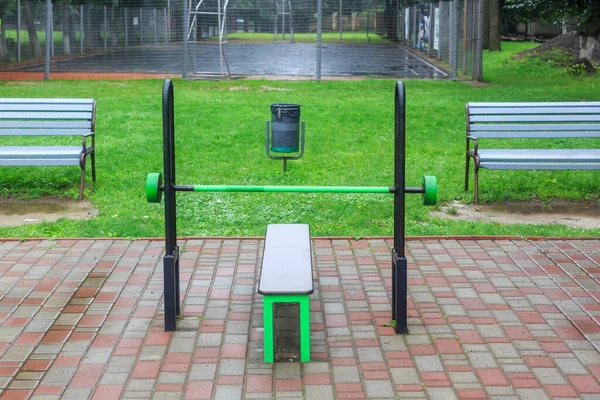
304,301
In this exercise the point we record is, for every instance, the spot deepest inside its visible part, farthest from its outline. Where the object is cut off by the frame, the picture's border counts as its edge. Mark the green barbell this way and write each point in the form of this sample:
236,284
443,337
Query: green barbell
154,189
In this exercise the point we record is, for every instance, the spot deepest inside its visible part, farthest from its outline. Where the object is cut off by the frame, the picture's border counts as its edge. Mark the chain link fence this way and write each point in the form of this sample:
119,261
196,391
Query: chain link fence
224,38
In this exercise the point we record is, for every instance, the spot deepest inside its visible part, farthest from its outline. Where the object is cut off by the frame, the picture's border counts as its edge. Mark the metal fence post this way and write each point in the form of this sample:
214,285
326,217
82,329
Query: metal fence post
430,29
81,29
105,29
478,45
169,20
155,26
166,25
126,28
18,30
186,24
319,31
341,21
452,28
48,39
141,26
52,31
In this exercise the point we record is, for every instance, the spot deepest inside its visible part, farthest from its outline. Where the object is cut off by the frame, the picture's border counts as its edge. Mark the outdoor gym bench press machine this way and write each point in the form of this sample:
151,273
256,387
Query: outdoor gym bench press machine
155,188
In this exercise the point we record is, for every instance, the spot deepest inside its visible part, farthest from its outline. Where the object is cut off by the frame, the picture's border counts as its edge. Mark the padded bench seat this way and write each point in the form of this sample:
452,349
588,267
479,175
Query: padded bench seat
286,277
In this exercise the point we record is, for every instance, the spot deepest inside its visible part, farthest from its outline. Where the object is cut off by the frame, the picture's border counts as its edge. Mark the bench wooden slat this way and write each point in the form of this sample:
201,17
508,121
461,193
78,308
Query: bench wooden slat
536,118
534,110
45,115
547,166
523,104
39,162
17,100
44,124
44,132
46,107
37,151
287,260
557,155
534,134
533,127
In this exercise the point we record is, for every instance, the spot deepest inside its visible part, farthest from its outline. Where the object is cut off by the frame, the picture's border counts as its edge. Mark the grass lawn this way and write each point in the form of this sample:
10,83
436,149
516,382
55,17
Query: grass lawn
349,127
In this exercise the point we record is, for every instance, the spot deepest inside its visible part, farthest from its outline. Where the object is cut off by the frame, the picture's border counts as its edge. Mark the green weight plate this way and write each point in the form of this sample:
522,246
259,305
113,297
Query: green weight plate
153,184
430,190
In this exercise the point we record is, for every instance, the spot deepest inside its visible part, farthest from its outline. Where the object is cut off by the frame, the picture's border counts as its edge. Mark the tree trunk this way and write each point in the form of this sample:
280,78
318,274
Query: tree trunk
34,41
390,20
4,53
66,27
495,26
586,51
486,24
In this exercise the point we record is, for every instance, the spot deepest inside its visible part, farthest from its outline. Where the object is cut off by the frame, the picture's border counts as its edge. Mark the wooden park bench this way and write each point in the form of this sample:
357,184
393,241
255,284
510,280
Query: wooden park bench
286,277
48,117
531,121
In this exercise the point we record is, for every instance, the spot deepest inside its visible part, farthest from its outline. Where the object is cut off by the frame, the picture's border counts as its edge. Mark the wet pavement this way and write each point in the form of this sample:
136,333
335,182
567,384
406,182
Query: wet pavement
271,59
489,318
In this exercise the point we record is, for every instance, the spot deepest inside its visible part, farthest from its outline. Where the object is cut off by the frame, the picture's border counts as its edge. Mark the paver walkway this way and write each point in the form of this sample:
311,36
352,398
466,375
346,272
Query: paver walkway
82,319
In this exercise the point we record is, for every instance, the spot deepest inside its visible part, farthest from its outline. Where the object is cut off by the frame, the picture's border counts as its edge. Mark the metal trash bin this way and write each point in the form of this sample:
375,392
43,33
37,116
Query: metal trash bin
285,127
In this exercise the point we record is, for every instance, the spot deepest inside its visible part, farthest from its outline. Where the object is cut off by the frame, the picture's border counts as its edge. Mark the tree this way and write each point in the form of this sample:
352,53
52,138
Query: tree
583,14
495,26
34,41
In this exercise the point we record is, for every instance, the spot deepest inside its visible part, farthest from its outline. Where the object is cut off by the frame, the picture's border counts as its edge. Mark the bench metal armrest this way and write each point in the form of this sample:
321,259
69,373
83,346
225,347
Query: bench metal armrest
475,146
84,141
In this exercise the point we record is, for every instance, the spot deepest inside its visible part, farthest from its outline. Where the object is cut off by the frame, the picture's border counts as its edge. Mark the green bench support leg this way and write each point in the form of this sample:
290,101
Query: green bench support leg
304,301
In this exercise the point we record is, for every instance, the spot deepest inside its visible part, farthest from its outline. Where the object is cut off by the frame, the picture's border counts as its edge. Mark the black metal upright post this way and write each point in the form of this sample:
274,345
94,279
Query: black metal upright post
171,258
399,263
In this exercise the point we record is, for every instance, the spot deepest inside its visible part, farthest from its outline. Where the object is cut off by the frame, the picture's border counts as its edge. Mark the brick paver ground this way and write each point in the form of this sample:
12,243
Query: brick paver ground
82,319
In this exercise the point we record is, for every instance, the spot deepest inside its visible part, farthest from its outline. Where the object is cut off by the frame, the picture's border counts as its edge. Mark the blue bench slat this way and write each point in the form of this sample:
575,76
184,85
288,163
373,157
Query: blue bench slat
534,104
44,132
39,162
45,115
536,118
287,260
549,166
42,100
46,107
533,127
533,155
534,134
40,151
535,110
45,124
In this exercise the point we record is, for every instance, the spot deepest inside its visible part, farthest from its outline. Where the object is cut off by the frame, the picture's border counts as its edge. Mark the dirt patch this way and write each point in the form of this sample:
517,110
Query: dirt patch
242,87
21,83
584,215
564,43
15,212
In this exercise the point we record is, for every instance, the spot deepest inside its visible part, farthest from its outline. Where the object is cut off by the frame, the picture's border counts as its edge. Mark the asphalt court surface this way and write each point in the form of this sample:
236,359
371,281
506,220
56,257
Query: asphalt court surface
276,59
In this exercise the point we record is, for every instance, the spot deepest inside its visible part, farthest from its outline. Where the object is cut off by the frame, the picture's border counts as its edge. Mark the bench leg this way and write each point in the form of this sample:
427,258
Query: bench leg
93,156
268,328
304,328
467,173
304,302
81,183
476,184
